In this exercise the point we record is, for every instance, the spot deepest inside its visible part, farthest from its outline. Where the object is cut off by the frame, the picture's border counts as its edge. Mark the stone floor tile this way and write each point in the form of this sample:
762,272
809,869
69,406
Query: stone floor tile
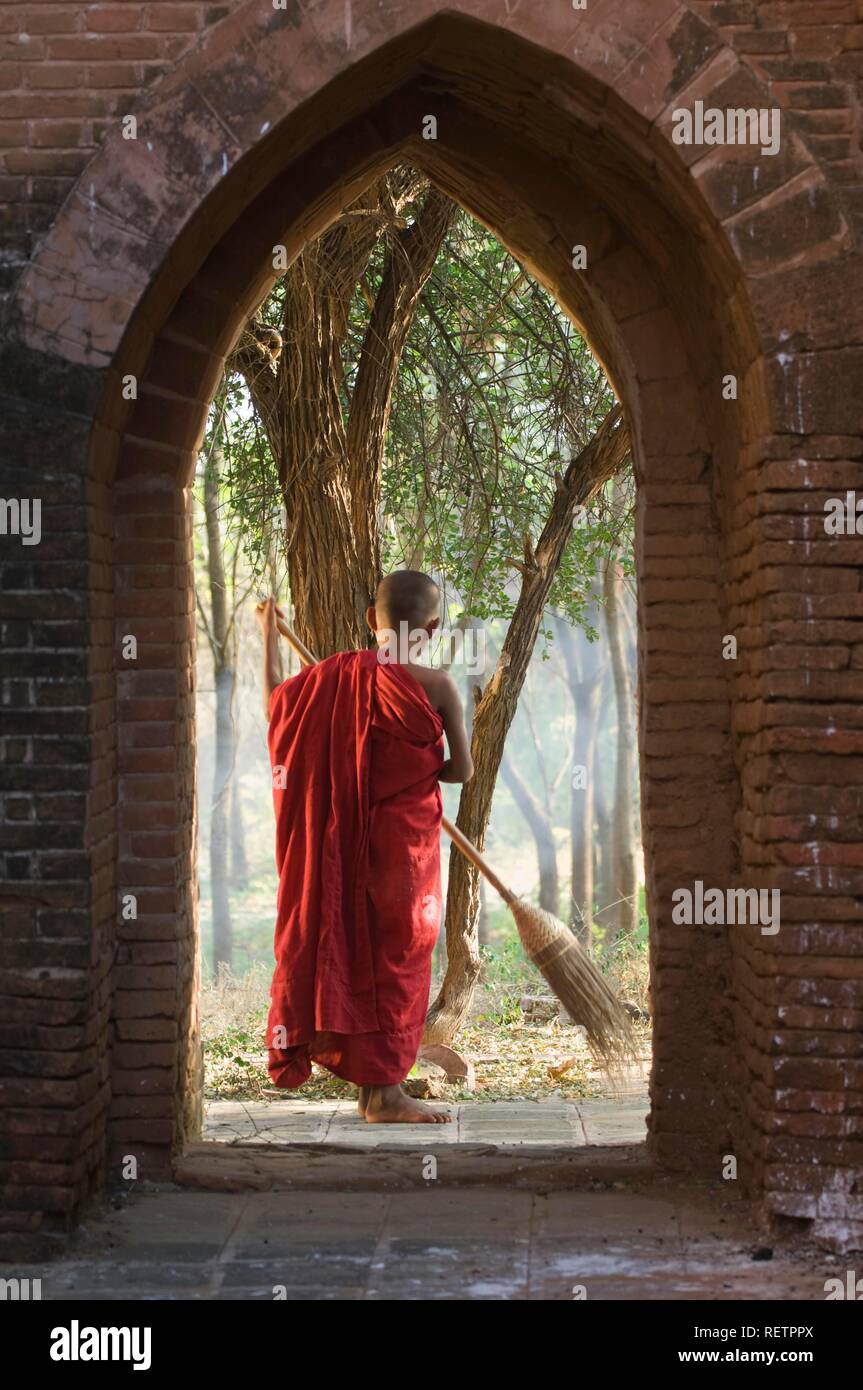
548,1122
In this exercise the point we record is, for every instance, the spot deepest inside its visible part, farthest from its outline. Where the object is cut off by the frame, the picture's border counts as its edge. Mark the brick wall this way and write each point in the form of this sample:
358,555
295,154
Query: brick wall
256,135
67,72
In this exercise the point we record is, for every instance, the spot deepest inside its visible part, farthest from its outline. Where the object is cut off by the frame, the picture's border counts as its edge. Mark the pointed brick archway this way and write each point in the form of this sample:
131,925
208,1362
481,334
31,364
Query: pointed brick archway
554,129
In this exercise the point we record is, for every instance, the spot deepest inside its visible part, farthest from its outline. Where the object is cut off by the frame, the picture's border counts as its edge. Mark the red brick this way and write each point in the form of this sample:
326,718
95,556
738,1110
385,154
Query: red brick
58,134
56,20
174,18
90,49
114,19
125,76
66,75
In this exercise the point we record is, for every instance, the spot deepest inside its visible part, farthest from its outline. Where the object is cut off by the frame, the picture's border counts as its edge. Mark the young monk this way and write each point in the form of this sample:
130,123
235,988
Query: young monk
356,746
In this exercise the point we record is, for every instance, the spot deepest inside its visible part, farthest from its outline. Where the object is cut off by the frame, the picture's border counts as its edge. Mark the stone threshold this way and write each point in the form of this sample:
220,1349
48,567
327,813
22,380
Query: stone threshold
391,1168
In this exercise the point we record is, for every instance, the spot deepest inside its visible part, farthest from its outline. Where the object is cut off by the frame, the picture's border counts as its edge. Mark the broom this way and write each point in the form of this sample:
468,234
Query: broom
572,975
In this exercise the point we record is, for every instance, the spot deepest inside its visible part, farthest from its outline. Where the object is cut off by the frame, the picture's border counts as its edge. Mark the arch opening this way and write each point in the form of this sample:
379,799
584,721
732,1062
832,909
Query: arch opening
659,303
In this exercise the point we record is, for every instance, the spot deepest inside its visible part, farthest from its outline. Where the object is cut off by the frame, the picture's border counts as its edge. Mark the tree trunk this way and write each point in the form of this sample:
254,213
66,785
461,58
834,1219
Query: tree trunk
408,266
605,730
581,818
602,867
330,470
603,457
585,672
483,929
223,932
539,822
474,692
239,859
624,917
224,673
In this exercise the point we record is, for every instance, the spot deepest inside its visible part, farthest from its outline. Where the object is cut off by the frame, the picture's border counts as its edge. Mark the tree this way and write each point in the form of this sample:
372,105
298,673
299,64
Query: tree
584,662
538,817
597,464
326,424
225,811
477,390
624,876
239,864
603,798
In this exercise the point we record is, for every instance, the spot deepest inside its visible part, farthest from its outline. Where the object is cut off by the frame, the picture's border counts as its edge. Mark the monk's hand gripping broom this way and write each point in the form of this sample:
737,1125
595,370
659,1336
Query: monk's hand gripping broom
570,972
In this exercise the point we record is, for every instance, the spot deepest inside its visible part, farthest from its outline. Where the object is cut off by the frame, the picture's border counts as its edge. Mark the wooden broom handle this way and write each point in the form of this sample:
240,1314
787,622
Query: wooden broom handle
306,657
468,849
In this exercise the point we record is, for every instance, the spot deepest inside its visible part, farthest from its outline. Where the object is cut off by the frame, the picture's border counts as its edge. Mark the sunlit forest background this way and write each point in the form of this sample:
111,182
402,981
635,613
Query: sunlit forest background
519,841
409,355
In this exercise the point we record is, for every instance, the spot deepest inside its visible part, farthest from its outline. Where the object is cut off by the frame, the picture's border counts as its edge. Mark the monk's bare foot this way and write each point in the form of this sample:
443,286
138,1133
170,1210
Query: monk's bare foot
390,1105
362,1100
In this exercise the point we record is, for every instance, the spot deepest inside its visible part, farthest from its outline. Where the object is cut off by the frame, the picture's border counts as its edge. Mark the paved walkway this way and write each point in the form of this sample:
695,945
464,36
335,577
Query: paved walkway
489,1122
432,1243
324,1224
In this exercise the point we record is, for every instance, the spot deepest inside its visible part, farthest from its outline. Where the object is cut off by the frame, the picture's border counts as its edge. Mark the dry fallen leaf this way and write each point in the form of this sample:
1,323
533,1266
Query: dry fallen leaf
563,1067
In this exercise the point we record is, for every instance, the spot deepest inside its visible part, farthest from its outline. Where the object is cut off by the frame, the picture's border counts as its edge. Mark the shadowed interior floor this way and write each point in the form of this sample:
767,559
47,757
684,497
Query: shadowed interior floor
432,1243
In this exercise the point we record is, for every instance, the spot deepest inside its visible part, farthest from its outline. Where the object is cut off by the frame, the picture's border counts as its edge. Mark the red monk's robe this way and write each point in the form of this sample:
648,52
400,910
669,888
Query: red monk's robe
355,749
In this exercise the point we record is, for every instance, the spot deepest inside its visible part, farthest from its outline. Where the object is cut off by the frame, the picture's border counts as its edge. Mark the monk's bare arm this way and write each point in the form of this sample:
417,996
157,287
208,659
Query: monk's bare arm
272,663
458,767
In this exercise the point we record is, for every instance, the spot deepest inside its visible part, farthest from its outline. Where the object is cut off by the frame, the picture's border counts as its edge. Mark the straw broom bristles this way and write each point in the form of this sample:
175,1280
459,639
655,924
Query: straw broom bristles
567,968
579,985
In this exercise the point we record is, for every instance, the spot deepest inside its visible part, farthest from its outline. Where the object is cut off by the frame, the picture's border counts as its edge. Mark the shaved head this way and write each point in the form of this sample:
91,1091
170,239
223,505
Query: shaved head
406,596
